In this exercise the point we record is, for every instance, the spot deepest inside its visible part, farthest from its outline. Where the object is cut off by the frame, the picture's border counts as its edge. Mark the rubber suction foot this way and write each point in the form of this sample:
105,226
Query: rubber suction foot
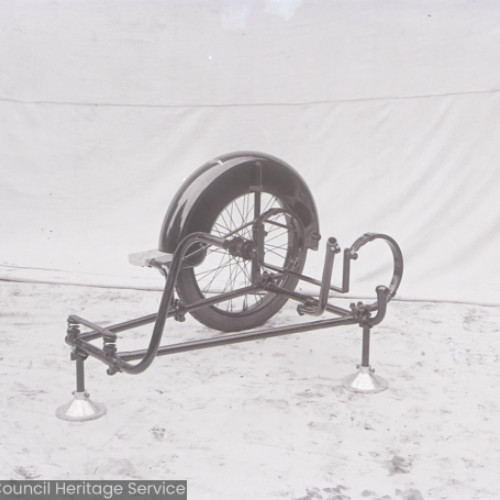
364,381
80,409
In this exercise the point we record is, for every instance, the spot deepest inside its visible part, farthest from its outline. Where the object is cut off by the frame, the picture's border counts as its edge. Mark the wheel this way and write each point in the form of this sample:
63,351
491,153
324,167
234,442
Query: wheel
263,235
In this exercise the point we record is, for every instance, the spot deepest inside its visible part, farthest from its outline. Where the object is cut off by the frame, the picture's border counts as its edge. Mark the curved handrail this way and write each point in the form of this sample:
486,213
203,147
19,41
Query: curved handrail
397,255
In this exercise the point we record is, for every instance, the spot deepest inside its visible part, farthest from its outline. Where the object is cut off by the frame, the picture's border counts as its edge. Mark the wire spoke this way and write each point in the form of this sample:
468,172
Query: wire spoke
274,252
217,272
270,202
275,237
240,212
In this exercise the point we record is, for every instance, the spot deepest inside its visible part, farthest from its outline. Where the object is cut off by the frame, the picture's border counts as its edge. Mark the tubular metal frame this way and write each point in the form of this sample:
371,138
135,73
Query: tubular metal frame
245,172
365,315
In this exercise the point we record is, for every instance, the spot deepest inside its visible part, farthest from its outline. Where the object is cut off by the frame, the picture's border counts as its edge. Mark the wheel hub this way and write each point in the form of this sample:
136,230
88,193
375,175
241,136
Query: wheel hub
240,247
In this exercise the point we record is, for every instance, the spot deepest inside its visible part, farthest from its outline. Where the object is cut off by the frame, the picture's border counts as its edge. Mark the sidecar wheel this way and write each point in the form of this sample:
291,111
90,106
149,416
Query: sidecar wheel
231,214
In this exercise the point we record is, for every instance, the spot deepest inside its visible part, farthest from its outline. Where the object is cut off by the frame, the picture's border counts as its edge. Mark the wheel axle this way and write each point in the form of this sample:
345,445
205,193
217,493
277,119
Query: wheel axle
240,247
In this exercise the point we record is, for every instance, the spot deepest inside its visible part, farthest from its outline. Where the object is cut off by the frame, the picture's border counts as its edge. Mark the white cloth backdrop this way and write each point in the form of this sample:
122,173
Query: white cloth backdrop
390,110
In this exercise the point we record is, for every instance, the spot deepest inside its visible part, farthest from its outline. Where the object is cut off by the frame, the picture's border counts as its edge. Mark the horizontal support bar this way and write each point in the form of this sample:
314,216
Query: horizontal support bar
144,320
120,327
101,331
240,337
301,277
299,297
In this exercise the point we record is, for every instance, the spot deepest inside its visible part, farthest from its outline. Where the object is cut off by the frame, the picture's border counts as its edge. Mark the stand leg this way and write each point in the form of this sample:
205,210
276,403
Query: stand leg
80,408
364,379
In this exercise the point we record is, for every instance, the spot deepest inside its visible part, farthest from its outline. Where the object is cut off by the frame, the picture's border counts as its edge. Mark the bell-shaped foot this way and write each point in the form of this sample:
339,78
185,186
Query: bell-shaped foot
80,409
364,381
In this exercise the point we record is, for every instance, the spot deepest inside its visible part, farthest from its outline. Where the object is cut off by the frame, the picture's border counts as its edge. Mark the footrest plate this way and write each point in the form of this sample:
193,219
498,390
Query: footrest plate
150,258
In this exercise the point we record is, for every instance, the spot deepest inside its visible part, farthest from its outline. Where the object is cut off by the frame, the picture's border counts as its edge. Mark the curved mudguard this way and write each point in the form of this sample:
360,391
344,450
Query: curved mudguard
239,168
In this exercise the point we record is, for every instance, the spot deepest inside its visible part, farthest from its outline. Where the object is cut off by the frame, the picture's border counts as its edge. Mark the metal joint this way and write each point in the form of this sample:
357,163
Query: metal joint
361,313
73,330
109,347
266,280
112,370
308,305
179,310
77,354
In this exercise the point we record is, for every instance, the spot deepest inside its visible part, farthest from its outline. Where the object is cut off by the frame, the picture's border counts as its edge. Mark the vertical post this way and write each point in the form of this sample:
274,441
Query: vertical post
80,374
365,349
80,408
364,380
259,230
332,248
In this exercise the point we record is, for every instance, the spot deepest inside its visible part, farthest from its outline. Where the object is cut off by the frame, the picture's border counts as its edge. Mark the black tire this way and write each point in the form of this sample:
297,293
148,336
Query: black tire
232,212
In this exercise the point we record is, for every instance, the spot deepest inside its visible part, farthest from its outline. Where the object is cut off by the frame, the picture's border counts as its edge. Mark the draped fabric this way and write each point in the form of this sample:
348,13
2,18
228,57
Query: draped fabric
389,110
